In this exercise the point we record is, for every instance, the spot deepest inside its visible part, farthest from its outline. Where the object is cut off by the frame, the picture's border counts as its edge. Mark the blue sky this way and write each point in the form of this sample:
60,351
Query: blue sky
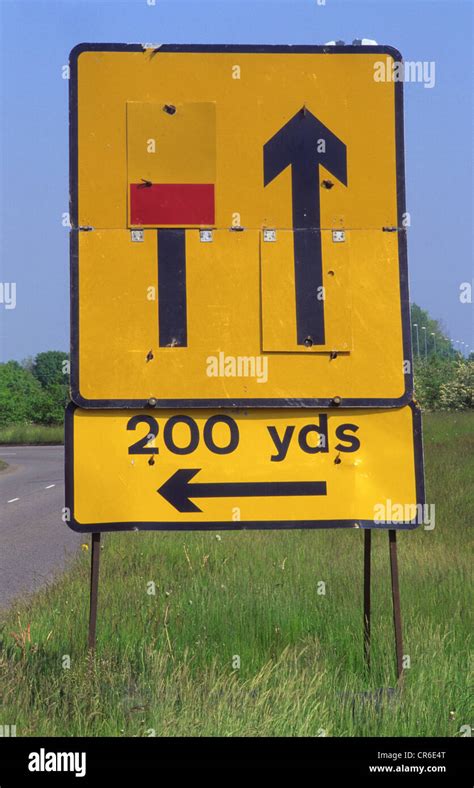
35,40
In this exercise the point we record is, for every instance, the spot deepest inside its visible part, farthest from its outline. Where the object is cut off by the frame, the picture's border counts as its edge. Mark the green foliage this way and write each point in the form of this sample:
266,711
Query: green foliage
57,396
21,395
35,392
444,383
51,368
32,434
52,371
443,378
458,394
430,375
165,660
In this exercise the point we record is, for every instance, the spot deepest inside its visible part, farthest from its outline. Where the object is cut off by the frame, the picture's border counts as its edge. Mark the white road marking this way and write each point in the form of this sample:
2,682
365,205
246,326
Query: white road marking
49,486
12,500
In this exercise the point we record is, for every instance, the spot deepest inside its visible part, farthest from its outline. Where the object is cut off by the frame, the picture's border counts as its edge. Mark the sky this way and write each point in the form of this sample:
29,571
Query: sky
35,40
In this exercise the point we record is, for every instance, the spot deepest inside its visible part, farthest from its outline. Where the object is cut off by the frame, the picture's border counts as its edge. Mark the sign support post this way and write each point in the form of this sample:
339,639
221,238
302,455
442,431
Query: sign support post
367,567
397,615
94,589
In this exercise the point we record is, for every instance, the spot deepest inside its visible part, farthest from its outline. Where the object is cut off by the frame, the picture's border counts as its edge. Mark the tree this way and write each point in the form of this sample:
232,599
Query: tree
49,368
22,400
28,363
40,398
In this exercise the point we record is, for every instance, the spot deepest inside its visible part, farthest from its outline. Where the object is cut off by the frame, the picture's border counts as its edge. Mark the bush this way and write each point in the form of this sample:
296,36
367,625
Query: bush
23,400
50,370
458,393
430,374
21,395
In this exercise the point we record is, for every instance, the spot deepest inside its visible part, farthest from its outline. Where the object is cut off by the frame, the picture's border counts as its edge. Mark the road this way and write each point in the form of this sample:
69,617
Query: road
34,542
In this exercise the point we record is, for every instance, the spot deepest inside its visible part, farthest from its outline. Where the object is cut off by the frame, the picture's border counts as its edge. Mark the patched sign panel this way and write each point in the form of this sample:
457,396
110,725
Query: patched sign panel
238,228
229,469
171,178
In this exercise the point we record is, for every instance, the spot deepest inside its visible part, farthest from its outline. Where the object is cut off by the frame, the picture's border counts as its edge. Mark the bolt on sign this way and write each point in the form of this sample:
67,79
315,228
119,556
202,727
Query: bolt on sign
237,208
232,469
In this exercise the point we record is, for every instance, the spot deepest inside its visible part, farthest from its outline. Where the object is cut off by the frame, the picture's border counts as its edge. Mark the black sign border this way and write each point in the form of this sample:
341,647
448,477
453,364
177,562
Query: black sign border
74,250
241,525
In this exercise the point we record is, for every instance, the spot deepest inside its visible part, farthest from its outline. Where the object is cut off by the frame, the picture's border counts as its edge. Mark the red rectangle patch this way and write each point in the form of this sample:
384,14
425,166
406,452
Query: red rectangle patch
174,204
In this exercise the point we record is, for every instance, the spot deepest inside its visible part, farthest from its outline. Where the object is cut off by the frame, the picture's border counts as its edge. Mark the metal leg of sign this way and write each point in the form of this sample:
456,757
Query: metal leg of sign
397,615
95,560
367,557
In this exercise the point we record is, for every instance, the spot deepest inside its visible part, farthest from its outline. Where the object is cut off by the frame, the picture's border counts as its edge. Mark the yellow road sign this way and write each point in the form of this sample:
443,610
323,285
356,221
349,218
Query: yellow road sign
231,469
238,230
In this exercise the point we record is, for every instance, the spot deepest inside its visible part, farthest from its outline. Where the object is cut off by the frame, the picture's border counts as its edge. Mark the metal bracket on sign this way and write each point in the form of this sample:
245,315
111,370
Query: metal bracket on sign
205,236
269,236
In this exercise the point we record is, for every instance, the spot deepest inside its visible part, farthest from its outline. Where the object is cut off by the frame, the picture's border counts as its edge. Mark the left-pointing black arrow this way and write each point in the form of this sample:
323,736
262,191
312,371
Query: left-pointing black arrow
177,490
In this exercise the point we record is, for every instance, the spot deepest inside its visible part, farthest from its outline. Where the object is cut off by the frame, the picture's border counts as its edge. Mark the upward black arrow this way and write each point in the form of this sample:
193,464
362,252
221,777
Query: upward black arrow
177,490
304,143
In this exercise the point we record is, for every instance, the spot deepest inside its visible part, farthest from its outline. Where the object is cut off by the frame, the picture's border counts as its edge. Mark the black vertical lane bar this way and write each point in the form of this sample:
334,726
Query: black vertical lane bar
367,570
172,311
95,561
307,246
397,615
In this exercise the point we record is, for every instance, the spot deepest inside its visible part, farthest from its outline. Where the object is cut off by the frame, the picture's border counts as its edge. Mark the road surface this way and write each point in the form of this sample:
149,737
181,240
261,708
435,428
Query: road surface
34,542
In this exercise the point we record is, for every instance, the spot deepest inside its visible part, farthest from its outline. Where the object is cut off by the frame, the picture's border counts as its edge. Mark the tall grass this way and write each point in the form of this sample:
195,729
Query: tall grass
237,641
31,434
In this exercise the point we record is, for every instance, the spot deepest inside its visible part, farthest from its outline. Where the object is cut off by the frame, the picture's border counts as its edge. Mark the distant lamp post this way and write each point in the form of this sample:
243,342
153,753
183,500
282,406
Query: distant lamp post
434,341
415,325
423,328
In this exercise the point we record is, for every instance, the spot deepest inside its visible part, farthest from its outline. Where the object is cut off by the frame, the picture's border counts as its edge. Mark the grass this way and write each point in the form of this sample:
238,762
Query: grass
166,663
31,434
3,465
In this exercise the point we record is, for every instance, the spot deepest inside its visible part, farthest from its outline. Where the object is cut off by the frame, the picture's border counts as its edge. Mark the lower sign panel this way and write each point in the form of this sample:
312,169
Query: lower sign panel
203,469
